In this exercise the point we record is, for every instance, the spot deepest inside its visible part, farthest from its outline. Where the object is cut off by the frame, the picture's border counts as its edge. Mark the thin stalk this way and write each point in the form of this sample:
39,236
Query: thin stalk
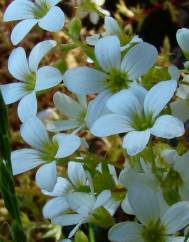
91,233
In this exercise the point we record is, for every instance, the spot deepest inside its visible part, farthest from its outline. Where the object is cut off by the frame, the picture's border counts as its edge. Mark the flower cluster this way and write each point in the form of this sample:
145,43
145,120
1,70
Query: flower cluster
108,97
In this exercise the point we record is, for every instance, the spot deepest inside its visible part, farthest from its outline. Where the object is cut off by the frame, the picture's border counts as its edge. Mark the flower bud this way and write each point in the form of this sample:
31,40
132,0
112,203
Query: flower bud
182,37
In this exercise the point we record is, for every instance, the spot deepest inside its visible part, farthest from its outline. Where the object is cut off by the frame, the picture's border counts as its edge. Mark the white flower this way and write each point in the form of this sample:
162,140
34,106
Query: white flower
136,111
153,226
116,74
45,152
76,180
42,12
182,37
32,78
79,114
180,109
83,206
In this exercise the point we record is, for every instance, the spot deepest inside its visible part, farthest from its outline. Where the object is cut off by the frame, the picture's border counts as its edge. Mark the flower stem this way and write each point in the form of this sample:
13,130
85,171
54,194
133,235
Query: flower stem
91,233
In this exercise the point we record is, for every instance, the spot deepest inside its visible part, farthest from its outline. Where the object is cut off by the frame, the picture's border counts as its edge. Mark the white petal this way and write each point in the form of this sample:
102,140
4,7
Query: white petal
24,160
111,26
125,232
53,2
135,141
84,80
180,109
139,59
94,17
97,108
67,105
174,72
102,199
67,219
38,52
55,14
126,207
21,30
18,64
19,9
167,126
47,77
108,53
124,103
46,176
62,125
12,92
76,173
139,92
27,107
68,144
183,91
144,203
158,97
55,207
176,217
182,37
111,124
34,133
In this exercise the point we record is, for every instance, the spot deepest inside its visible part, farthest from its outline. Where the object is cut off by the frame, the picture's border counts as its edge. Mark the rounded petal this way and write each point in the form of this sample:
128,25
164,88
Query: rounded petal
125,232
139,92
38,52
13,92
55,207
84,80
47,77
27,107
134,142
180,109
182,37
76,173
46,176
144,203
176,217
67,105
102,198
21,30
19,9
158,97
138,60
55,14
108,53
174,72
62,125
124,103
111,124
18,64
68,144
24,160
168,127
67,219
111,26
34,133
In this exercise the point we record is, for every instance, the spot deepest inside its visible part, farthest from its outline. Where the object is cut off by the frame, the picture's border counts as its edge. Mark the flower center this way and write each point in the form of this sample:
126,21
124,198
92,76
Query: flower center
30,81
154,231
49,151
141,121
41,9
117,81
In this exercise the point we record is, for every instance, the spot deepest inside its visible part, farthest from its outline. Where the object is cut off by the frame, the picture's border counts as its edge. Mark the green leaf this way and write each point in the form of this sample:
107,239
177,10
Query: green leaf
102,218
80,237
74,28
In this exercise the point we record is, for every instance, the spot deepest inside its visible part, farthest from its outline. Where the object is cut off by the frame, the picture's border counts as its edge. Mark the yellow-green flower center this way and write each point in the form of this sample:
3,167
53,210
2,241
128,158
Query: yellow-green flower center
41,9
49,151
30,81
141,121
154,231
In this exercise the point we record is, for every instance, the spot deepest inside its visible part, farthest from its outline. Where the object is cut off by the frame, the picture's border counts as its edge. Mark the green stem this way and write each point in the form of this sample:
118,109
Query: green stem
7,187
91,233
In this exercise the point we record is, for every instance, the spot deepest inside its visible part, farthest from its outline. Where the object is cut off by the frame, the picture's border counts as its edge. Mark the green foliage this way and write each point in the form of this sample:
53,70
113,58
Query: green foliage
74,27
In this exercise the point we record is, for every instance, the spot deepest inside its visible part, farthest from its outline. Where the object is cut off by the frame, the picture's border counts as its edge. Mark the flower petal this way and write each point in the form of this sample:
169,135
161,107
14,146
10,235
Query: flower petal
108,53
180,109
111,26
21,30
139,59
102,198
34,133
55,14
168,127
111,124
124,103
158,96
27,107
125,232
19,9
24,160
18,64
182,37
68,144
46,176
38,52
47,77
135,141
13,92
144,203
67,105
76,173
176,217
62,125
55,207
84,80
67,219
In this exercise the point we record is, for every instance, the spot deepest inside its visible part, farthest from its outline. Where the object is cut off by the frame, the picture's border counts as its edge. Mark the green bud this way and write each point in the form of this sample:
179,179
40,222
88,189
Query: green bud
80,237
74,27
